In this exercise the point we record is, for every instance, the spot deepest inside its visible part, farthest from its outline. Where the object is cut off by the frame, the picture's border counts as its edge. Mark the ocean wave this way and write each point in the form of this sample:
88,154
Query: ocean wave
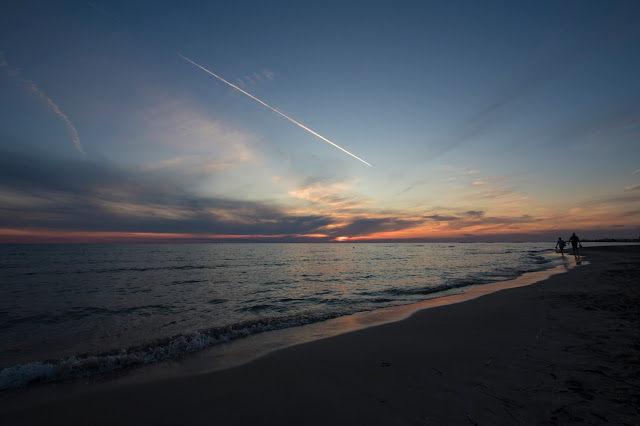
75,314
418,291
187,281
317,291
121,270
84,365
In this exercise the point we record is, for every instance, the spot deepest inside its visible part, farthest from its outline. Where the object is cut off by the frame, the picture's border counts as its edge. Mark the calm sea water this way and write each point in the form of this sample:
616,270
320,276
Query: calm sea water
76,310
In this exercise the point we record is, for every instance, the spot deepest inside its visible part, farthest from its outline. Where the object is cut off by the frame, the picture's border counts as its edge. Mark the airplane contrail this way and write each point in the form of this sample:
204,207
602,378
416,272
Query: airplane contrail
272,108
31,86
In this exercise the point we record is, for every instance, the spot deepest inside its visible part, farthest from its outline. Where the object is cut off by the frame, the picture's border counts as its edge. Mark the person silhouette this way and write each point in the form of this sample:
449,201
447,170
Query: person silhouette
575,242
560,244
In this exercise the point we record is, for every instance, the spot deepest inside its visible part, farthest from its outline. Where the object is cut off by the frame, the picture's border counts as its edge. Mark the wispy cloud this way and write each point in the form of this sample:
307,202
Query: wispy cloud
367,226
104,12
269,74
192,165
98,196
329,195
617,200
588,134
255,78
200,142
611,30
42,193
33,88
471,185
110,198
632,188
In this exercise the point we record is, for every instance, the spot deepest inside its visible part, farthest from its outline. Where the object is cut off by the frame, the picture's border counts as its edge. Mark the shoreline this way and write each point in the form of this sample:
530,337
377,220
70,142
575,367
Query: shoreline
159,311
239,351
378,371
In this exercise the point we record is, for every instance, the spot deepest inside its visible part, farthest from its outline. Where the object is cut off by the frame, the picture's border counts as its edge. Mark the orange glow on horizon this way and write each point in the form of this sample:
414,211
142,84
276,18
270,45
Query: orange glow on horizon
37,236
426,226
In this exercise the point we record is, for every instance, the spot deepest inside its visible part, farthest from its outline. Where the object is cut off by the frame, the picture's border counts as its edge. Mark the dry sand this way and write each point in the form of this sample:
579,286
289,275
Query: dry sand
564,350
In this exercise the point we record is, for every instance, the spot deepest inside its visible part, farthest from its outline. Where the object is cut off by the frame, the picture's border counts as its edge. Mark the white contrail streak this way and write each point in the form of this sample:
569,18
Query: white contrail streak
30,85
272,109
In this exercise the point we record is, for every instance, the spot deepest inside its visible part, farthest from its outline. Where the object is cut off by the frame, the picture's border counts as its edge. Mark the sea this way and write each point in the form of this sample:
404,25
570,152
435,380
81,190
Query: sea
69,311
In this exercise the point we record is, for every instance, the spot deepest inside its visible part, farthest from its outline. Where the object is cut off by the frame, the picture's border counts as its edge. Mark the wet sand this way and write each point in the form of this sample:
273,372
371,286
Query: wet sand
563,350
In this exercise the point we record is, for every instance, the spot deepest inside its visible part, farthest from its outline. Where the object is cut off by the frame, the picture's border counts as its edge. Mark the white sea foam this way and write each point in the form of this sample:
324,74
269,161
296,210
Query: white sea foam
89,364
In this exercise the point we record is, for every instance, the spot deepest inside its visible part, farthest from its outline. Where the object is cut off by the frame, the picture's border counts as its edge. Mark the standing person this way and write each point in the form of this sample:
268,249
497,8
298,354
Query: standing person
560,244
575,241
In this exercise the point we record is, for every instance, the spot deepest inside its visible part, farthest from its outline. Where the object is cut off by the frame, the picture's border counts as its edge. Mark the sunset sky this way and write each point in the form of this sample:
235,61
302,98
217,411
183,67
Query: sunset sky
482,120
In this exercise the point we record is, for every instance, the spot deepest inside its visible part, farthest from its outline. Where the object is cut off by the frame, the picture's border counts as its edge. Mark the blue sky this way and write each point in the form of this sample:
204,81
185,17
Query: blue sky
482,120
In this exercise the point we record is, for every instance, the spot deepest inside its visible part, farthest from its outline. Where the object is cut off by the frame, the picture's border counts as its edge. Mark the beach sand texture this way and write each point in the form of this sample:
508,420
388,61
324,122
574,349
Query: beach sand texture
561,351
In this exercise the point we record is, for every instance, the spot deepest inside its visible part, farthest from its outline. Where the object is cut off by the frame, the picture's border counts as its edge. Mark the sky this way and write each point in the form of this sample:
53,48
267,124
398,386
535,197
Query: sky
283,121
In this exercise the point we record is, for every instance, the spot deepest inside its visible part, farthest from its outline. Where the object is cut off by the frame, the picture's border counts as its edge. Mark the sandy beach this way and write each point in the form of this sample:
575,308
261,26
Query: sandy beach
564,350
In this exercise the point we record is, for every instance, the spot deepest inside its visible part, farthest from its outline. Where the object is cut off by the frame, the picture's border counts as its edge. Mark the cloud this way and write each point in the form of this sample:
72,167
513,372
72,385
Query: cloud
96,196
183,140
493,188
328,194
485,188
478,220
33,88
366,226
439,218
193,165
269,74
457,172
104,12
246,81
626,198
611,30
39,192
592,130
475,214
255,78
177,123
632,188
